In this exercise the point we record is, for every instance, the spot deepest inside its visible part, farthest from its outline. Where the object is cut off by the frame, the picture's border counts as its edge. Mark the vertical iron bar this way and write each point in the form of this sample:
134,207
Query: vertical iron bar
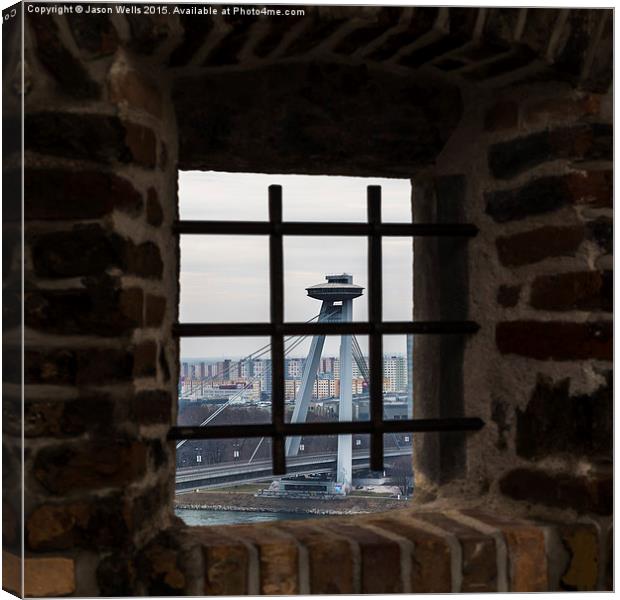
375,316
276,288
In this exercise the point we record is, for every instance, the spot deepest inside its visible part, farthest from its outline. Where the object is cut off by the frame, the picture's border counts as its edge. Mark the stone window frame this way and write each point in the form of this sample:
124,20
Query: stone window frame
375,327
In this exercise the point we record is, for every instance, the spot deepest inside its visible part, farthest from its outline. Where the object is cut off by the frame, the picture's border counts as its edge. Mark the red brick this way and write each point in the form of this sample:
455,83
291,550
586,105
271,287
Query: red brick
145,359
583,290
96,523
582,542
94,34
380,558
561,490
67,70
145,260
131,304
57,194
592,188
538,244
479,553
527,556
543,112
330,557
431,561
502,115
142,142
226,563
154,211
90,465
508,295
129,87
155,310
50,576
278,557
556,340
92,310
152,407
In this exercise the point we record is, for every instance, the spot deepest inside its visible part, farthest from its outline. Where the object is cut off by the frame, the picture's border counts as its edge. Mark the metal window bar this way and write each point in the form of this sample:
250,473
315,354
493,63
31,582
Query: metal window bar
375,328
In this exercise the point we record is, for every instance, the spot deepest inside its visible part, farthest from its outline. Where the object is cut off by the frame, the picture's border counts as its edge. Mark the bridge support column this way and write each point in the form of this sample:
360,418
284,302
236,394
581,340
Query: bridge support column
344,469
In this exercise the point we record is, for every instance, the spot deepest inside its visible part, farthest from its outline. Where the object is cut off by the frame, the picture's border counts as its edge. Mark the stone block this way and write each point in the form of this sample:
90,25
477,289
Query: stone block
556,340
538,244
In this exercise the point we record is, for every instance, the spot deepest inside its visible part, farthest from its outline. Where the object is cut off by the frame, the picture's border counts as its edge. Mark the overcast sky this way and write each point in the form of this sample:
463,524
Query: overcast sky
226,278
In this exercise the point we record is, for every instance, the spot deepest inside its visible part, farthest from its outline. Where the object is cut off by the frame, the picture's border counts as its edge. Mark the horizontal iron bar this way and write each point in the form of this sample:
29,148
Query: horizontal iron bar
333,428
323,328
325,229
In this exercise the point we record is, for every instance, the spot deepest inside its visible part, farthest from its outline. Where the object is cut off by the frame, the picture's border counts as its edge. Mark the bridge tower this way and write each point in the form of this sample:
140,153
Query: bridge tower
337,297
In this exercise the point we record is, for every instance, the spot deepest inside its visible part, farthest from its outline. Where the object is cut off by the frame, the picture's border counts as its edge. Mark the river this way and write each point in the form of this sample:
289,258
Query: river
193,516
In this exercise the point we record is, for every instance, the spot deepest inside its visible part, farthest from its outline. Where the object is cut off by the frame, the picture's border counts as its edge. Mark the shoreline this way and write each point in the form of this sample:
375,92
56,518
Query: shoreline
243,502
292,510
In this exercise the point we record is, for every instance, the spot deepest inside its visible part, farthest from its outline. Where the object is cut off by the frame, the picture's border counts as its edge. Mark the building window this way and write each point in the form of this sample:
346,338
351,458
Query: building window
198,458
274,230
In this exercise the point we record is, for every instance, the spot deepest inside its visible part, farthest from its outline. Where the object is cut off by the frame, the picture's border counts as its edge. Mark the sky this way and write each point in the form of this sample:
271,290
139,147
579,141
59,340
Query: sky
226,278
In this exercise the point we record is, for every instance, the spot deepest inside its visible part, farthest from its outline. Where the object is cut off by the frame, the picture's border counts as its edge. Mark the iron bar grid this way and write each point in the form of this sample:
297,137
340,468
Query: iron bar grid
375,341
375,328
276,289
332,428
324,328
325,229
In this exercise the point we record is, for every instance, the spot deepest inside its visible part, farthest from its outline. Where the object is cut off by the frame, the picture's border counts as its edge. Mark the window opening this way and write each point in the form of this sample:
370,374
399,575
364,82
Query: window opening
277,384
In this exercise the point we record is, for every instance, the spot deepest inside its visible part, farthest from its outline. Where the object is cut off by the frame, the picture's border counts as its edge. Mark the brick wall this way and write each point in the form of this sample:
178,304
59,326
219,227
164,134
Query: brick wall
519,148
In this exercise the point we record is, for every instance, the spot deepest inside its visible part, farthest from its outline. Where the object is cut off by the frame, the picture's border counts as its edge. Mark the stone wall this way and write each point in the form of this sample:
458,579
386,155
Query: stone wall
537,181
518,142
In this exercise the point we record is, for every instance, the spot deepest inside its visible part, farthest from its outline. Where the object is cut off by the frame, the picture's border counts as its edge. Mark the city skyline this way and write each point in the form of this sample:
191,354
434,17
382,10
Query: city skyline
215,268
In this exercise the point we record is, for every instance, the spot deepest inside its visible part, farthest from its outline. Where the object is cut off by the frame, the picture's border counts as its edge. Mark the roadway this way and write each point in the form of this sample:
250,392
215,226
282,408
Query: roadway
189,479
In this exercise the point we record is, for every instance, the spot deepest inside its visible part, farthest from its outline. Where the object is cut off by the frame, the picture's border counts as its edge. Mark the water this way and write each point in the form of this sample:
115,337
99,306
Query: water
229,517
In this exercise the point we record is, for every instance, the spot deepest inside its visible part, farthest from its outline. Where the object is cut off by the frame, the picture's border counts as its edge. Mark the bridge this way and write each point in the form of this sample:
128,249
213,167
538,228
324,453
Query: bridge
224,474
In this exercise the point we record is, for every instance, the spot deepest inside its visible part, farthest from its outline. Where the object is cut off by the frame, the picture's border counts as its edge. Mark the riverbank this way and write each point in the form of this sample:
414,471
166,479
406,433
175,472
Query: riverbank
244,501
